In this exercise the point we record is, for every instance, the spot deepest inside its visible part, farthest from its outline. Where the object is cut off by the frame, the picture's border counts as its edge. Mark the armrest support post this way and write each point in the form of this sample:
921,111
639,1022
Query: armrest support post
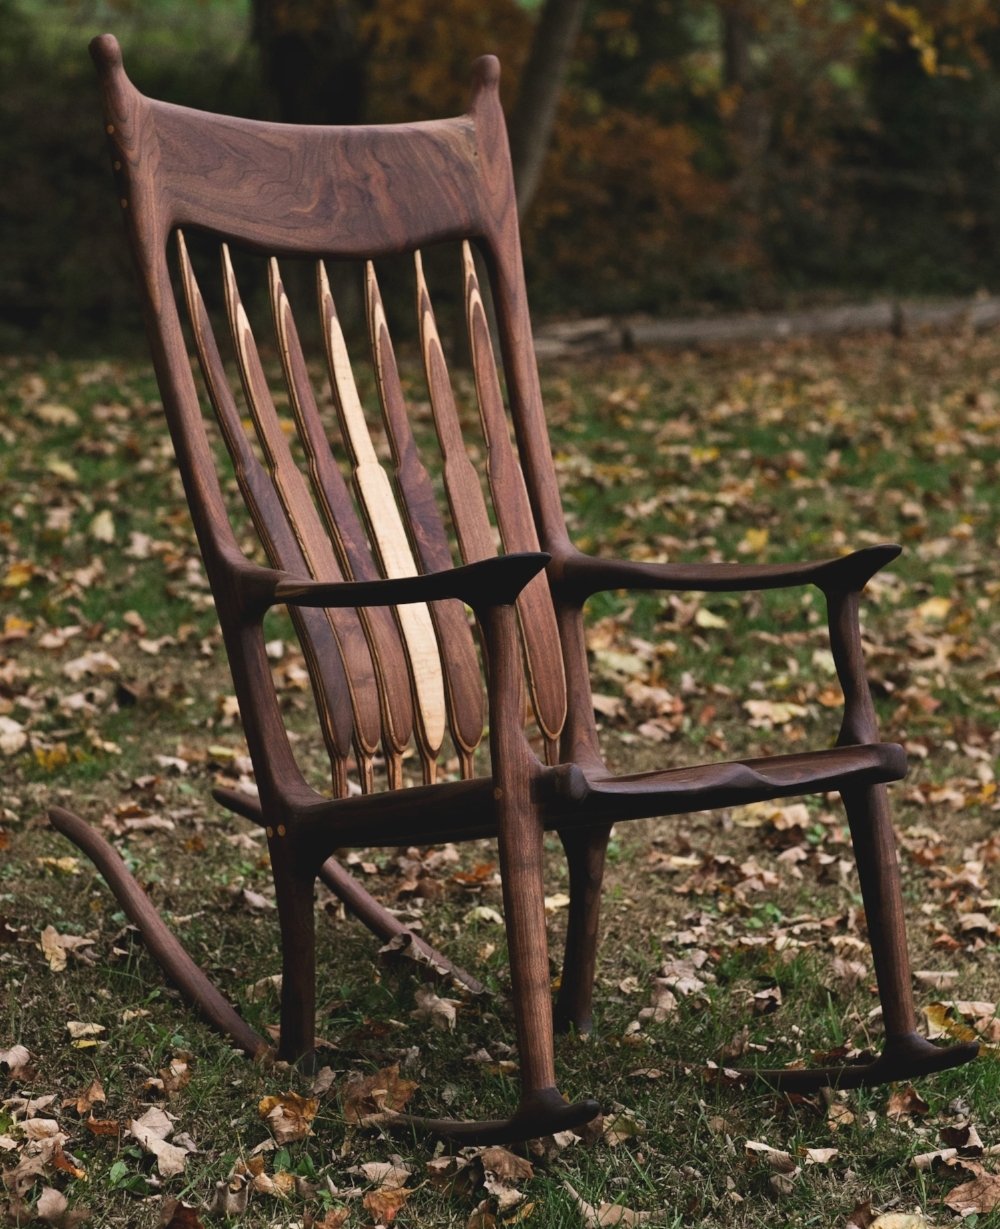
859,724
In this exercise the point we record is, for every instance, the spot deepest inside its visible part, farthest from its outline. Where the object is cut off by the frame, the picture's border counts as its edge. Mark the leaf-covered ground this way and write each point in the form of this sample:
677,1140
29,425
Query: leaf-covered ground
730,939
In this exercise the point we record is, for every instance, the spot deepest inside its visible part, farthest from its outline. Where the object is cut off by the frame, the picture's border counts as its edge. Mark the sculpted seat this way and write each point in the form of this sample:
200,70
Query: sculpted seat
379,552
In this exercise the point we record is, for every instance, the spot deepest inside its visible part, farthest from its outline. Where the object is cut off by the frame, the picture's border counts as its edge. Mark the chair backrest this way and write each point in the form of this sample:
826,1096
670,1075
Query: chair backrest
381,680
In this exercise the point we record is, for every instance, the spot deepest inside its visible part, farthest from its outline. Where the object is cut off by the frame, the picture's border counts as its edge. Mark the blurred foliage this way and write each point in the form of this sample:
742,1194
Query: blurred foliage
707,152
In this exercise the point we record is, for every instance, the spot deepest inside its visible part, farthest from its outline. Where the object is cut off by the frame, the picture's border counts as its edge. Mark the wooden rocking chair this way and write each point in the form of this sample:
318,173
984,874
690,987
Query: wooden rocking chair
369,578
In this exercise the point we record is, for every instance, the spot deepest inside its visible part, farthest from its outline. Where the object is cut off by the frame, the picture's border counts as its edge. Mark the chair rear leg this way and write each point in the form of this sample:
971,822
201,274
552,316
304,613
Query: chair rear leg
585,855
294,892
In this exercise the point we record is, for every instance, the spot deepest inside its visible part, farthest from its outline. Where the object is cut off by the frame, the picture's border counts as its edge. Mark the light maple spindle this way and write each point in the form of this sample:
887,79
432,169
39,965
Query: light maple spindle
388,536
458,657
368,192
539,630
346,532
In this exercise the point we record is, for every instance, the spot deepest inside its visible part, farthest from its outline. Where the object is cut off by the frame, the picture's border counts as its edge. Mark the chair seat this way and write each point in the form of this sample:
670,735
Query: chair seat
571,796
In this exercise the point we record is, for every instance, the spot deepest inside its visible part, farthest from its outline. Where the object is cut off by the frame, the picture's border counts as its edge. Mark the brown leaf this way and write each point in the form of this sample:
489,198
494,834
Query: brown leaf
982,1194
906,1102
505,1165
964,1137
16,1060
230,1198
621,1126
288,1115
177,1215
482,1217
174,1076
102,1126
383,1174
336,1218
780,1162
51,1204
55,946
92,1095
861,1217
385,1091
53,1207
453,1174
384,1204
438,1012
82,1030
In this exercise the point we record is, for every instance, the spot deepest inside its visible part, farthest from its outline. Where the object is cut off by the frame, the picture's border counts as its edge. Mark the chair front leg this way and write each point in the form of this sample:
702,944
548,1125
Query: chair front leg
294,893
585,854
906,1052
521,869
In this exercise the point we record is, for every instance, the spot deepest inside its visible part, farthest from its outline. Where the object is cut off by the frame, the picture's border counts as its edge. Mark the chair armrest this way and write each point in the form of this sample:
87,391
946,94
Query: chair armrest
576,576
490,582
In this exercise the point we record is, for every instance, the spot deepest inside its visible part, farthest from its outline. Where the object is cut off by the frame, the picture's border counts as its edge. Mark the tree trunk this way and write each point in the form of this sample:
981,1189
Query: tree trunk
538,95
750,120
312,59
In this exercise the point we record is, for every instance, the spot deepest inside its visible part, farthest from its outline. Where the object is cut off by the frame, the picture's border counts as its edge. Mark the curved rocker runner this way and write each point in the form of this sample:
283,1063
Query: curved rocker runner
377,572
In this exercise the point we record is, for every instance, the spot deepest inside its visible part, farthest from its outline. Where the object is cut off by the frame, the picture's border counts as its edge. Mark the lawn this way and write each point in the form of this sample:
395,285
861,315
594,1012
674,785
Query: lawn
729,938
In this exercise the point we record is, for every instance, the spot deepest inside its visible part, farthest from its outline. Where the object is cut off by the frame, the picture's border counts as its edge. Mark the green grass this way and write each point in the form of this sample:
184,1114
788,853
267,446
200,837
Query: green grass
661,456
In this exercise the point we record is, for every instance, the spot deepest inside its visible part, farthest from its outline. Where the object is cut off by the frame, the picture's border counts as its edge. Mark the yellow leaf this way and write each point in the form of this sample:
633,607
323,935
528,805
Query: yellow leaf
66,866
754,541
934,608
705,618
18,574
62,469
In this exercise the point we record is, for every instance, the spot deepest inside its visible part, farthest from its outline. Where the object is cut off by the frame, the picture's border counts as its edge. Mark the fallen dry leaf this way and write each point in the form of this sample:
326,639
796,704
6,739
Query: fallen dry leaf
55,946
385,1203
620,1126
440,1013
981,1194
505,1165
384,1092
781,1162
606,1213
383,1174
906,1102
230,1196
177,1215
901,1220
482,1217
16,1060
92,1095
335,1218
13,736
288,1115
151,1131
83,1029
